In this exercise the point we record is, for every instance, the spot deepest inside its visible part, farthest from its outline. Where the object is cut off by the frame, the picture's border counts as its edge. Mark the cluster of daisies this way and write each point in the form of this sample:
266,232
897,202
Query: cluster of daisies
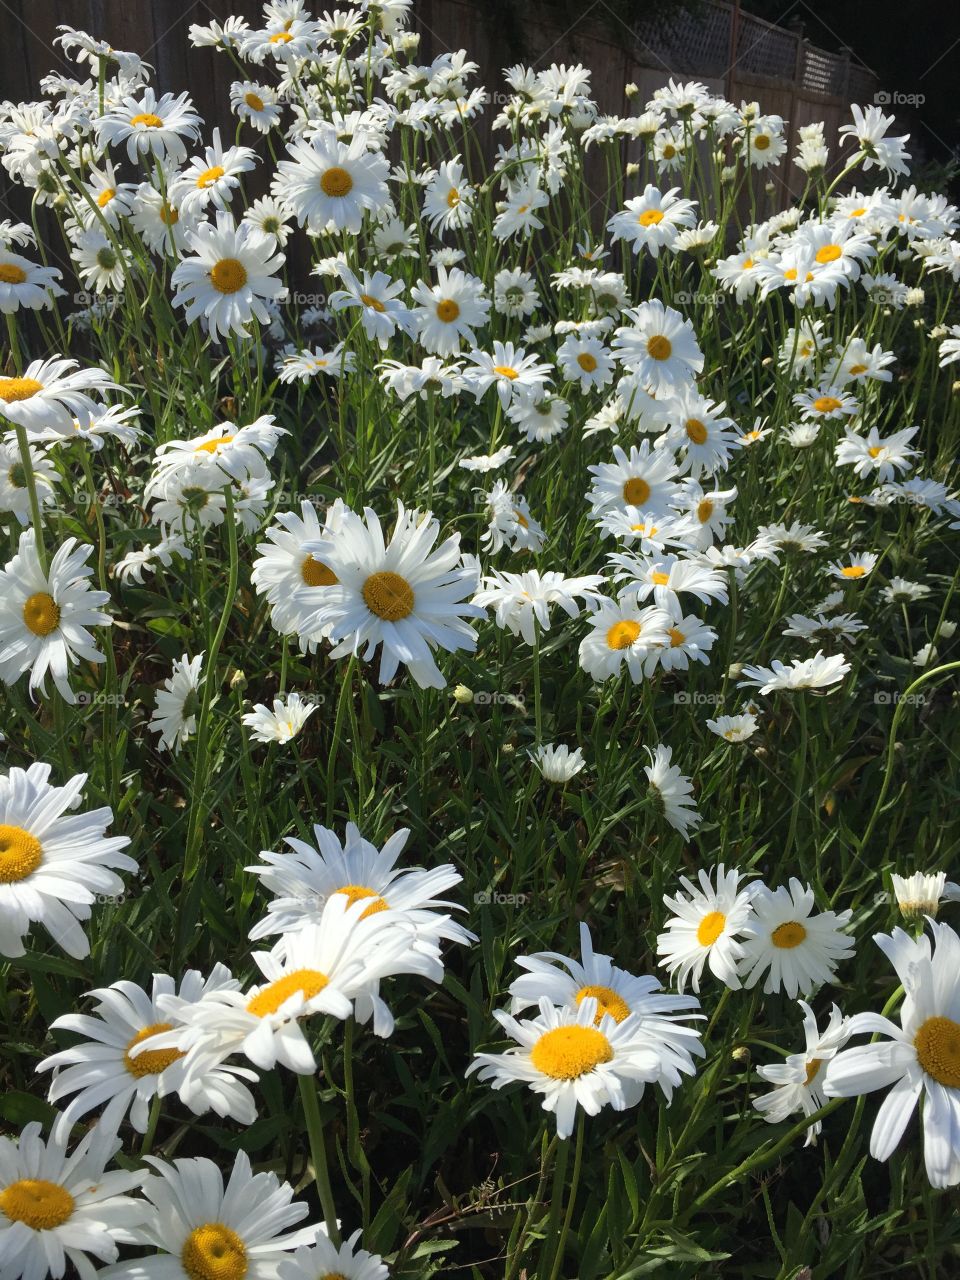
457,312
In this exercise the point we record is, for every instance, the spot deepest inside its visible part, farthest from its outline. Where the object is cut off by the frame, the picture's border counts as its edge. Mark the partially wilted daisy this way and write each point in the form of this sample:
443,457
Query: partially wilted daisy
53,860
45,615
920,895
818,672
705,927
734,728
786,938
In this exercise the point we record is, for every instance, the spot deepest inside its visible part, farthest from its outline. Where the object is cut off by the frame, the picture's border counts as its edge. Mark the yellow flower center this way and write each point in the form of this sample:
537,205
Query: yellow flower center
587,362
169,217
281,37
607,1002
105,196
789,935
505,371
11,274
228,275
148,120
650,217
747,264
829,253
857,369
253,101
388,595
214,1252
453,198
875,451
151,1061
826,404
669,151
761,142
211,446
659,347
790,273
12,389
357,893
374,303
336,183
623,634
210,176
308,982
938,1050
316,574
704,510
710,928
813,1070
659,579
20,854
447,310
853,570
38,1204
696,431
636,491
858,213
41,613
677,638
568,1052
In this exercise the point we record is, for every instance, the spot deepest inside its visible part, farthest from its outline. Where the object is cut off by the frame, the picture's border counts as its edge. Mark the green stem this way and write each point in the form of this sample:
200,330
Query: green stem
318,1154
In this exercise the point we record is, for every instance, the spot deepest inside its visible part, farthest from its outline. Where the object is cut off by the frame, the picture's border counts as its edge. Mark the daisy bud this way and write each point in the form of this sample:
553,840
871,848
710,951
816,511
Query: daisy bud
948,629
767,361
728,173
238,679
741,1056
955,387
462,694
631,90
735,670
508,748
914,298
632,170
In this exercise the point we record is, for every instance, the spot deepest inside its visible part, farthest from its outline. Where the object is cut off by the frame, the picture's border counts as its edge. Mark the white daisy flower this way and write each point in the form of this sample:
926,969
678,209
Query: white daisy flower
585,360
323,1259
704,929
884,457
44,615
230,277
660,346
404,597
150,126
671,791
448,311
14,494
508,368
920,894
119,1064
818,672
921,1056
58,1210
852,568
486,462
786,939
178,702
645,478
558,763
652,221
256,104
448,200
800,1079
303,878
52,866
24,284
521,600
283,722
377,297
736,728
571,1061
622,635
201,1229
331,183
51,393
